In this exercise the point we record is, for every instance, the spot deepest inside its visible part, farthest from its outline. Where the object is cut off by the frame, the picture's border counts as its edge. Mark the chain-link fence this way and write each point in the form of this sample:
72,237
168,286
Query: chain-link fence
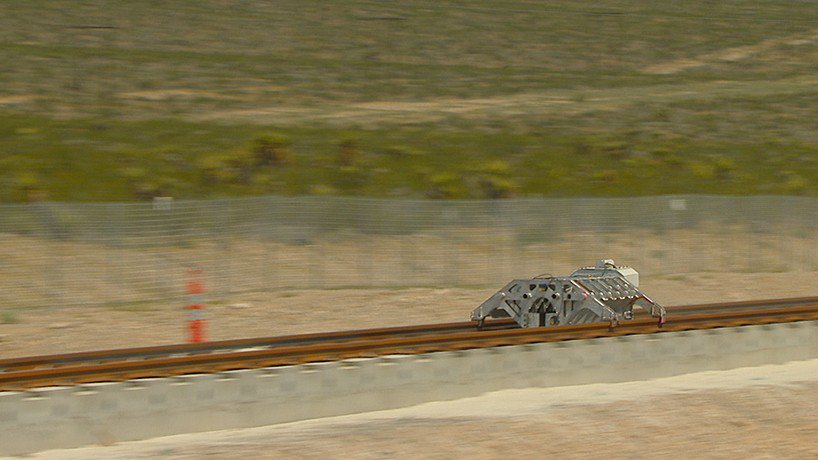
93,254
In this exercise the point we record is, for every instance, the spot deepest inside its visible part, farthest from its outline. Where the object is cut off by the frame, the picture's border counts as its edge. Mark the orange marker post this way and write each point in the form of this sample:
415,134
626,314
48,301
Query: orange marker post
195,308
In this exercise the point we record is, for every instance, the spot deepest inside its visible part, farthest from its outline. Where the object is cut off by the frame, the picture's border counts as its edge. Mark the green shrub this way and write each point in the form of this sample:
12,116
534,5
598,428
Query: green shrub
349,179
271,150
496,187
234,167
666,156
348,153
723,167
133,172
147,189
9,317
794,183
615,150
403,151
495,167
606,176
702,169
323,189
446,185
29,186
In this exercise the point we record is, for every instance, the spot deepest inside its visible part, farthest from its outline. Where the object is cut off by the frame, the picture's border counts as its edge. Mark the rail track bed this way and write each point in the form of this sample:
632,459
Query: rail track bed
172,360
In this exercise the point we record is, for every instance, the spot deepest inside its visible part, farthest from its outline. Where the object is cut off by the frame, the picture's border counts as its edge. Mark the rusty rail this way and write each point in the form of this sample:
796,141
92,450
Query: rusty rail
225,346
308,348
364,334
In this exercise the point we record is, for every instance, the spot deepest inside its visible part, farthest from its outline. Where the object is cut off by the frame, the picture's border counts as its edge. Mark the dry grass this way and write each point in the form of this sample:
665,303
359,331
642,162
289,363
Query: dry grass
528,83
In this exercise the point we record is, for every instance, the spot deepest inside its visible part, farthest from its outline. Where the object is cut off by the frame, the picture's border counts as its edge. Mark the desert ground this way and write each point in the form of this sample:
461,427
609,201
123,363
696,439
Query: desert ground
47,331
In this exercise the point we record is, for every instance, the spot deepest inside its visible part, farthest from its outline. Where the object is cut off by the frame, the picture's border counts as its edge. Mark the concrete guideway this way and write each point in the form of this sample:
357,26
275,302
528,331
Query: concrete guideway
63,417
724,412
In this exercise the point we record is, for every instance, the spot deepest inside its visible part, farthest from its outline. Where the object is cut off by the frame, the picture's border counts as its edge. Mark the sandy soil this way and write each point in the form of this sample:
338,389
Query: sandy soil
48,331
760,412
17,99
550,102
731,54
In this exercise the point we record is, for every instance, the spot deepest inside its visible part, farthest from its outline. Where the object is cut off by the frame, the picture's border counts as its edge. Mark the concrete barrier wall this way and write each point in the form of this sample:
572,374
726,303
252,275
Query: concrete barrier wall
63,417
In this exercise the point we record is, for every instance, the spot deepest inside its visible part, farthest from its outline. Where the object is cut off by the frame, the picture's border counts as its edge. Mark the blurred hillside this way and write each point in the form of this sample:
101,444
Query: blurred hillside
104,101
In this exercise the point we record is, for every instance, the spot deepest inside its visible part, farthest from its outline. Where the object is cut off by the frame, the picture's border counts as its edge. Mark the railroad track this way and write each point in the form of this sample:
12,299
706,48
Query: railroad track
163,361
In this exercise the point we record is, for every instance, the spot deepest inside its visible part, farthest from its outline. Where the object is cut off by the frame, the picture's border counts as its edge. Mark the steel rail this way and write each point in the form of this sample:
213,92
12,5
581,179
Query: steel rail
321,352
226,346
688,310
28,362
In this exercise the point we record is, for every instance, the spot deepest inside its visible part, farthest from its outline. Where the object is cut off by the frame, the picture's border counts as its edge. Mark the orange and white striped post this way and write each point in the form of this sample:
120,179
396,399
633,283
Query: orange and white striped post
195,307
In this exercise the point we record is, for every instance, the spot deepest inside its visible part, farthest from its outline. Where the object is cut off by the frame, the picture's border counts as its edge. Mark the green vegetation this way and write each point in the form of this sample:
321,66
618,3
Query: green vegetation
125,101
9,317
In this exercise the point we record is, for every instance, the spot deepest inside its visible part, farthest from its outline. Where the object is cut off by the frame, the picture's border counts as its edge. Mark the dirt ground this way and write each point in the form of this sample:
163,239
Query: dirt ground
48,331
759,412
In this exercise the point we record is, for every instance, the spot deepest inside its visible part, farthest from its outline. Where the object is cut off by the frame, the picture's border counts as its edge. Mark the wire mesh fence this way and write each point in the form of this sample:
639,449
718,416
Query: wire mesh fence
108,254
